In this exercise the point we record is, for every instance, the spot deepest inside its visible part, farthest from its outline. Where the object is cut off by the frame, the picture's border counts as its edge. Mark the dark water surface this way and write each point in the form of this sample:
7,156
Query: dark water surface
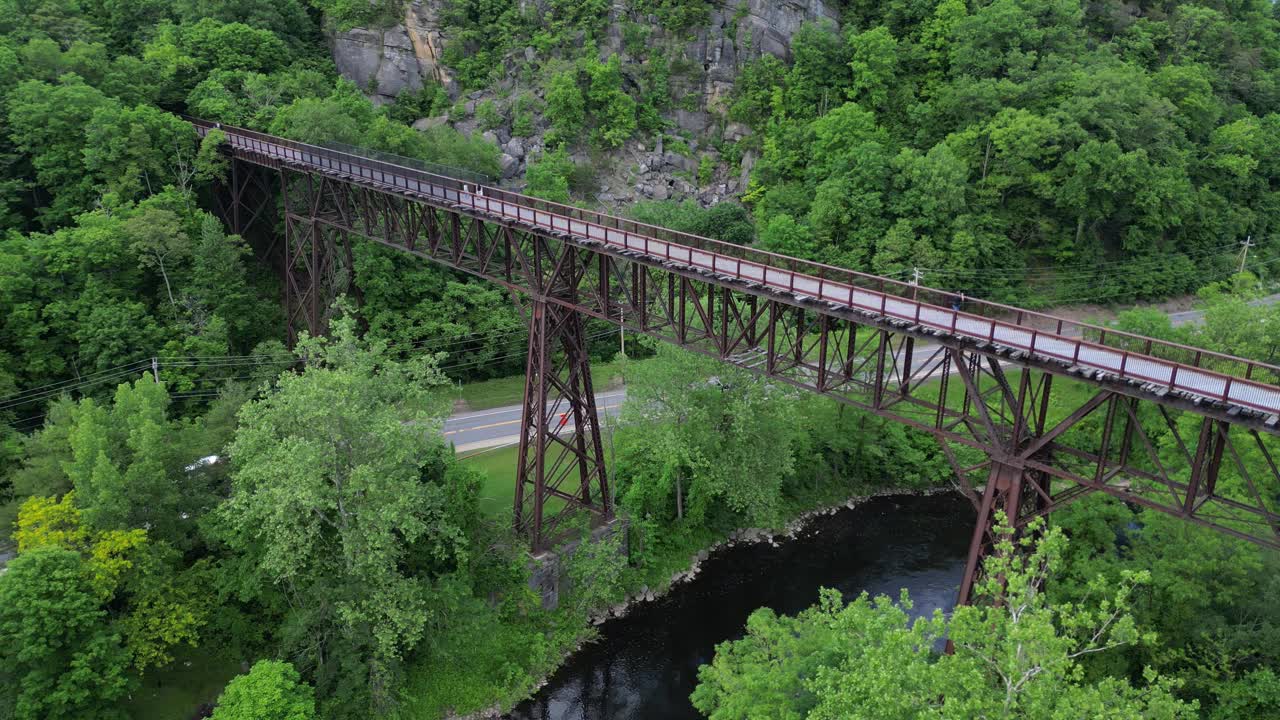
644,665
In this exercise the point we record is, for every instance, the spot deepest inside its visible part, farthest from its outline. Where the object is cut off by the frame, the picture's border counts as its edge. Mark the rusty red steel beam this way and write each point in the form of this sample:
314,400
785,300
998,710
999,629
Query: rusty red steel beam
818,281
785,345
855,357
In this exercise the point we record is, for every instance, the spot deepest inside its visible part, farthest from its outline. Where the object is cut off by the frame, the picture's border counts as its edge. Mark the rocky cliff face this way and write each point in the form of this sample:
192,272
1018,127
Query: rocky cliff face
385,61
739,33
388,60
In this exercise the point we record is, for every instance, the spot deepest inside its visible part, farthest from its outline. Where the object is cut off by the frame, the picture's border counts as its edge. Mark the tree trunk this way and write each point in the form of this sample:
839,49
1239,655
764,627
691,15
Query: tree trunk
165,275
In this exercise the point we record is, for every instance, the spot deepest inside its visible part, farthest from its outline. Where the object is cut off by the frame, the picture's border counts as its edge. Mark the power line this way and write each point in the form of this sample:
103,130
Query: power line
1120,293
75,381
265,361
31,398
1098,268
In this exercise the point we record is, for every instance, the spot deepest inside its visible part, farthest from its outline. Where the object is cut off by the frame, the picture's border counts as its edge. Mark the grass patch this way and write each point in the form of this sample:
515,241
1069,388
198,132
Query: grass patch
196,676
489,394
502,392
498,493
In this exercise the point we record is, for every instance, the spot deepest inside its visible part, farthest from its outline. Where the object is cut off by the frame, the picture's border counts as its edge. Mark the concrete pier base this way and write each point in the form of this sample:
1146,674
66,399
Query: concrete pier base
548,576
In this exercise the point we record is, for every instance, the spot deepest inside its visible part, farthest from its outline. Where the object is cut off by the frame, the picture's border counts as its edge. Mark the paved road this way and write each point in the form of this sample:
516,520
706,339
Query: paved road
472,431
1190,317
482,429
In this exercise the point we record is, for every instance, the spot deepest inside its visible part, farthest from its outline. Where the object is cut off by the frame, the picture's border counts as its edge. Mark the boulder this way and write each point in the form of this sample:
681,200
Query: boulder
734,132
386,61
430,122
510,166
678,161
514,148
748,161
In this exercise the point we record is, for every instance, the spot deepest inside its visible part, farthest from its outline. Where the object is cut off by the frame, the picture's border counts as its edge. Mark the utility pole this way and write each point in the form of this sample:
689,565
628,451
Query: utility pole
622,332
155,369
1248,243
916,276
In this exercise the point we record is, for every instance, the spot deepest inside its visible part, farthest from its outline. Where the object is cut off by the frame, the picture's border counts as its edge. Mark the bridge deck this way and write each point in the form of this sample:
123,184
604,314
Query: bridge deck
1036,333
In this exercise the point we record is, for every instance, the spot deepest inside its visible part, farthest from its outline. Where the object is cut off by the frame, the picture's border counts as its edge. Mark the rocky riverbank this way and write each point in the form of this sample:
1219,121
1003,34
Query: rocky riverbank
645,665
749,536
738,540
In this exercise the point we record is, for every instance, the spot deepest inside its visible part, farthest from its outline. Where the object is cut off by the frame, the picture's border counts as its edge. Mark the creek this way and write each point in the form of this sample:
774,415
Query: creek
644,665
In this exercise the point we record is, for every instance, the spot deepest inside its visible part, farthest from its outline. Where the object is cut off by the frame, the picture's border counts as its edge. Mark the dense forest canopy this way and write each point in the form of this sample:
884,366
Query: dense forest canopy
990,142
1044,152
189,499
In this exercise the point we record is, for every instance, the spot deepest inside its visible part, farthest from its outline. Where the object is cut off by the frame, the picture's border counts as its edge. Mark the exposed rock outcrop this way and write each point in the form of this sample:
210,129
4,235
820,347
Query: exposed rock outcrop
387,61
738,35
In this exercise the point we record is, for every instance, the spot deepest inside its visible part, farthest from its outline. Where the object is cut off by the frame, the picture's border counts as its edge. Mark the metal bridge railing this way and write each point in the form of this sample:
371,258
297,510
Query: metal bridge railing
423,166
1171,365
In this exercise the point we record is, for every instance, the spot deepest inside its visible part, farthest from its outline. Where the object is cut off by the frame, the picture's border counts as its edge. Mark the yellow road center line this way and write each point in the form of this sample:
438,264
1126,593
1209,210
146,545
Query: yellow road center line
508,422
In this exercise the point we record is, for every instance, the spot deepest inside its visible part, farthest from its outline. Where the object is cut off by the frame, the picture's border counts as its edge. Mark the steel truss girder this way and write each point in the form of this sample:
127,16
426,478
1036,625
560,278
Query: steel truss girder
244,199
316,265
970,396
560,468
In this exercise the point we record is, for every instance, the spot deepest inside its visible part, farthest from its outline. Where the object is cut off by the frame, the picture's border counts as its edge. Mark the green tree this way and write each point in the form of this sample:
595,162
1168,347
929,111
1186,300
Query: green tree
819,71
152,606
1255,695
671,469
566,107
137,151
1017,655
219,285
341,499
547,176
232,46
285,19
157,237
64,659
614,110
874,63
127,464
47,122
785,236
271,690
346,14
726,221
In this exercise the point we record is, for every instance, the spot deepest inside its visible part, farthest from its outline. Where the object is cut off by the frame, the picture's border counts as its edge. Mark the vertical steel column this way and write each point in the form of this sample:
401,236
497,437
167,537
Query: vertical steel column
244,197
558,389
309,263
1003,492
286,276
237,190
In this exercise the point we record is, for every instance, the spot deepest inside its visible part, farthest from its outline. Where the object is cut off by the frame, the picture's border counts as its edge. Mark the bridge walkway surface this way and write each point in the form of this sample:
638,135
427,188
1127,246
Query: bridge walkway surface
887,347
1063,341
